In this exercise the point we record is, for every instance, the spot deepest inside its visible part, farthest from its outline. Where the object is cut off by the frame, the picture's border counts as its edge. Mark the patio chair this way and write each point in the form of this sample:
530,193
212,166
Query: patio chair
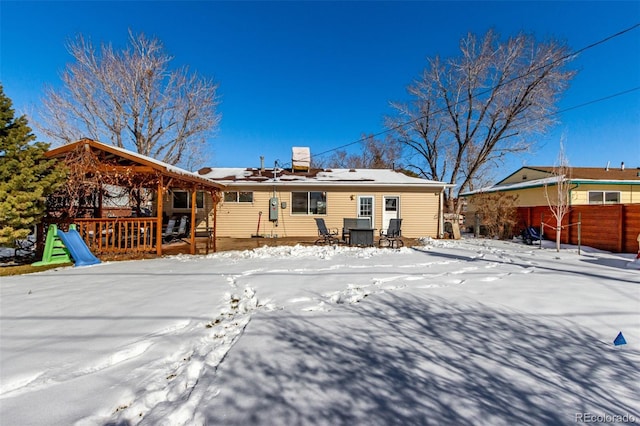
172,232
530,234
326,236
391,237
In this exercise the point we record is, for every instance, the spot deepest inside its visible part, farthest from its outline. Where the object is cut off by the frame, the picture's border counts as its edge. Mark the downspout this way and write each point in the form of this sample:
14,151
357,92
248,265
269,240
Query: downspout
570,192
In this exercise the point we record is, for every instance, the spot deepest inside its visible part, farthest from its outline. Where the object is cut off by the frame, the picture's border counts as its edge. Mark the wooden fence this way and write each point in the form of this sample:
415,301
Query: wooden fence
613,227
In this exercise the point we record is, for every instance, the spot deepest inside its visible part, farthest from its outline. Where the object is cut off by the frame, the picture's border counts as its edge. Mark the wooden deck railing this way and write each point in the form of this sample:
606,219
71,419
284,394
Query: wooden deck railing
117,235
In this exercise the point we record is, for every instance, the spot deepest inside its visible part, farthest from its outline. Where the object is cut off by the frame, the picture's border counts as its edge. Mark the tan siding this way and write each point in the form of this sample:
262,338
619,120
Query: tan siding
419,211
526,197
628,194
531,197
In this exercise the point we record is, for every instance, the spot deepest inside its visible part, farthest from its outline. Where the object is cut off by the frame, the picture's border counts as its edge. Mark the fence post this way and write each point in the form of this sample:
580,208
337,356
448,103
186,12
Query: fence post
579,231
541,229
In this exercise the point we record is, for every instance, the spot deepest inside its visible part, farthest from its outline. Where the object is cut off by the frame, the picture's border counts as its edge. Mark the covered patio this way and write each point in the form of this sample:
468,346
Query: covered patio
115,198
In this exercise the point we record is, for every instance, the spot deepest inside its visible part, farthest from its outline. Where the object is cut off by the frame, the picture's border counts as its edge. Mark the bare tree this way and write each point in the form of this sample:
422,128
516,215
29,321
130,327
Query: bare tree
468,113
560,200
131,99
376,154
498,211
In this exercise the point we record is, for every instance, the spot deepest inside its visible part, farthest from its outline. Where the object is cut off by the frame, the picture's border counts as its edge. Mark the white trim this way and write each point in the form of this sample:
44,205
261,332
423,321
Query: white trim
373,208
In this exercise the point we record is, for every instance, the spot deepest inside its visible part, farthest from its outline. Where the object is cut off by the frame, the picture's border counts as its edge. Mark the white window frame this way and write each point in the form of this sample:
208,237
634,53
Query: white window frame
372,218
603,195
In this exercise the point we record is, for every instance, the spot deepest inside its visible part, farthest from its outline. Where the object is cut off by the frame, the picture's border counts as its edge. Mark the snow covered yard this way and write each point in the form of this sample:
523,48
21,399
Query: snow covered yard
456,332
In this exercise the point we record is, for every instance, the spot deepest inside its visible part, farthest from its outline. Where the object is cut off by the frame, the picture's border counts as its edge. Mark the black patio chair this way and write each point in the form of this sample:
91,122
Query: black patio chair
174,233
530,235
391,237
325,235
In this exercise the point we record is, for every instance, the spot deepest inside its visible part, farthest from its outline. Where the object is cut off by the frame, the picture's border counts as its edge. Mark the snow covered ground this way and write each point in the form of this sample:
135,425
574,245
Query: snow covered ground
456,332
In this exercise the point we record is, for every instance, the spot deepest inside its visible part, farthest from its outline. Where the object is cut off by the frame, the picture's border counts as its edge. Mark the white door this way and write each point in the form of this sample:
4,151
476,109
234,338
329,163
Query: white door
365,208
391,210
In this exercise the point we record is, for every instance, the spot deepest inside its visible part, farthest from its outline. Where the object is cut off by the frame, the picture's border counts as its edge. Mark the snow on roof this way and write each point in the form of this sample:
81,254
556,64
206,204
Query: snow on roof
133,156
535,183
520,185
241,176
169,167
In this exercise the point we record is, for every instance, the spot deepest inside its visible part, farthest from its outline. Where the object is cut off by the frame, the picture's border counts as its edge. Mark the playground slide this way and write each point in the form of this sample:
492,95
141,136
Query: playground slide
77,248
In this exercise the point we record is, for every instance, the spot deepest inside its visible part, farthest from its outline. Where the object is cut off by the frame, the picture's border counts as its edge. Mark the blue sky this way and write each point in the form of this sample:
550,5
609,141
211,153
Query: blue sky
321,74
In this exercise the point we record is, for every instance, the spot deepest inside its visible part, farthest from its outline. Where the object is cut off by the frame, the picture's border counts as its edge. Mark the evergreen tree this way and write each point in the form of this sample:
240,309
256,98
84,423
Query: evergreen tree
27,177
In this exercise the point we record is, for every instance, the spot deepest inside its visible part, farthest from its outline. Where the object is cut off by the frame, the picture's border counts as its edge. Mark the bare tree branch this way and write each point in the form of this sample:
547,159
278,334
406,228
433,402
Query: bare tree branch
560,202
131,99
375,154
479,108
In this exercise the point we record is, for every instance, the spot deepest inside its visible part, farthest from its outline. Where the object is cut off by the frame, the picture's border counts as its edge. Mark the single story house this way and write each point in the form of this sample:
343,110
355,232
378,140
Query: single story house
279,202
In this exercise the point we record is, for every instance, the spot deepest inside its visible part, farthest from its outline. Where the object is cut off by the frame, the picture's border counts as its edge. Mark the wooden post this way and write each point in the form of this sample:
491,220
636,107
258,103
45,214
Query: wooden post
193,220
541,229
100,203
159,218
579,231
216,199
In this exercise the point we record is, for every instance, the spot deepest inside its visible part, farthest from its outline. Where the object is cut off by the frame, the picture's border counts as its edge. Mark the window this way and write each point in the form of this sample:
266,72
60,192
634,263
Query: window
604,197
391,204
366,207
309,202
181,199
238,197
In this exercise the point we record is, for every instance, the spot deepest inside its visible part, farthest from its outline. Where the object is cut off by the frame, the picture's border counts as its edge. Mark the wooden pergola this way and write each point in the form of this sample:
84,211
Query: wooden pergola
110,165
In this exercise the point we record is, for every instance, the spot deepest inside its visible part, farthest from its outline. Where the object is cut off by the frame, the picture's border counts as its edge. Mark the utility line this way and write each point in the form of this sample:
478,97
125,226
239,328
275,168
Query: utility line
565,57
624,92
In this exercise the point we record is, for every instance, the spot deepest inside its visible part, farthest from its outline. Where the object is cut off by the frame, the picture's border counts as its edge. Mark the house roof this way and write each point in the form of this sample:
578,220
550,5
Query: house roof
121,158
585,175
316,177
591,173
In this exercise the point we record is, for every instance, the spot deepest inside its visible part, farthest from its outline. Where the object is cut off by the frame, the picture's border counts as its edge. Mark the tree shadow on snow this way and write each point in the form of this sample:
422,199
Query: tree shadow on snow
400,359
517,260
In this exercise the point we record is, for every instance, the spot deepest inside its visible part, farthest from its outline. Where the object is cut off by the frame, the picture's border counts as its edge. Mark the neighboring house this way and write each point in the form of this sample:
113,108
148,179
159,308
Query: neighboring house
607,197
589,185
284,202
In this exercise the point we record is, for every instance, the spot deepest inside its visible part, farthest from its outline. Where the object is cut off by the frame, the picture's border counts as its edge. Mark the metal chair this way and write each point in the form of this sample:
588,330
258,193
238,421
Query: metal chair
326,236
391,237
171,233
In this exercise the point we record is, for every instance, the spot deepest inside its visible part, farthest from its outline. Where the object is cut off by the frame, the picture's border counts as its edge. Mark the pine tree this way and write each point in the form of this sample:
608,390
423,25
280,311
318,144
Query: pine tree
27,177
